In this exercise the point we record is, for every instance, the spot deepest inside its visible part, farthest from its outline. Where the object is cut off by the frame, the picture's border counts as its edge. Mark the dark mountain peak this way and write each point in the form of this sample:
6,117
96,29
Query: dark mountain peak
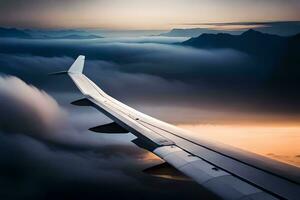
249,34
252,42
193,32
75,36
214,38
203,35
252,33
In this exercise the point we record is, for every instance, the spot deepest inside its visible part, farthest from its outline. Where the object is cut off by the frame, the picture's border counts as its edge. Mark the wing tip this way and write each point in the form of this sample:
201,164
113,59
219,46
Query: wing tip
77,66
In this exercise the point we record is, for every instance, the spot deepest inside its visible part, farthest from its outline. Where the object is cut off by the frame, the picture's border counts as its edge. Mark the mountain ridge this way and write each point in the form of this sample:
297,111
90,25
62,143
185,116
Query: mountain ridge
13,33
72,36
194,32
251,41
39,34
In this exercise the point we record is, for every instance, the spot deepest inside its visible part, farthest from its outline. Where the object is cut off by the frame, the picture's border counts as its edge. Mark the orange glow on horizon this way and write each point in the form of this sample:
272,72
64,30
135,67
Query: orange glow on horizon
277,142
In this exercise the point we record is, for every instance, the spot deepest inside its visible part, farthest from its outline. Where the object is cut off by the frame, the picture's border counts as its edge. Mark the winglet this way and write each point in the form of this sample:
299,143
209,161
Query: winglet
77,66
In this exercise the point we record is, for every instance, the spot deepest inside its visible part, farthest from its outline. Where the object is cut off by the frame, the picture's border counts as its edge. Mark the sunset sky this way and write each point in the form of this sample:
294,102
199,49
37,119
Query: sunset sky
141,14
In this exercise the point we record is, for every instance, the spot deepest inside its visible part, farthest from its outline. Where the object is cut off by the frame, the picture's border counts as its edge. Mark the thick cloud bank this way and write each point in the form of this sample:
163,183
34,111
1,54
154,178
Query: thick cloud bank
27,110
43,156
35,111
149,70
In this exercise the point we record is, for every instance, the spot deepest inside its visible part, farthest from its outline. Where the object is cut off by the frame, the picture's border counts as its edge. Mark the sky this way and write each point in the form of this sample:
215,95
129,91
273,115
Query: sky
141,14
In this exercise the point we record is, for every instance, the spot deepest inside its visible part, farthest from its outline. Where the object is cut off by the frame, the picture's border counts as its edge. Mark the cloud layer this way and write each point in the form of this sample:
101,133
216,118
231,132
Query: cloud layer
44,156
221,80
19,101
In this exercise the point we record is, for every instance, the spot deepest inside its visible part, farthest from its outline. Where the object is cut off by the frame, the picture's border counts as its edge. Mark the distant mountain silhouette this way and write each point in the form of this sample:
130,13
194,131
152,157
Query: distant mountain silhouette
279,54
251,41
55,33
39,34
282,28
194,32
13,33
73,36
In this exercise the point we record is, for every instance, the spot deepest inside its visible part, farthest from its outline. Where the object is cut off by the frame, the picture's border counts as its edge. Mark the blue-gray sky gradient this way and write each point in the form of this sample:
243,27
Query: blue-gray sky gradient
141,14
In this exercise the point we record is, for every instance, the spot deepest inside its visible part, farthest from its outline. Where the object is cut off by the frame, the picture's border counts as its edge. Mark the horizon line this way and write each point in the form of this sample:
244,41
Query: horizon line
218,24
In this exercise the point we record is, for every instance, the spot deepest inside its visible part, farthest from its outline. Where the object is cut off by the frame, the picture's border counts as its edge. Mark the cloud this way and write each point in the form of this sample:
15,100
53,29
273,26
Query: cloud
161,60
154,73
20,100
28,113
28,110
30,168
142,39
34,170
43,154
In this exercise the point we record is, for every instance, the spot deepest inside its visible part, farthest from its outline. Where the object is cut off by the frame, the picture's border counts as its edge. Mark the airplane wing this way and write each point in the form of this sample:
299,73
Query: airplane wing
228,172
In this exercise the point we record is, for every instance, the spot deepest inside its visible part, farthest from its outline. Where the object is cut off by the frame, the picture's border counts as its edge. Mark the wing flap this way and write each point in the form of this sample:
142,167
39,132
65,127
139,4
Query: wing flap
209,176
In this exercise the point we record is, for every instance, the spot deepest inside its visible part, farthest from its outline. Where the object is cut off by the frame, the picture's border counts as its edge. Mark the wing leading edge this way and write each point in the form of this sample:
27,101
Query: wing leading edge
226,171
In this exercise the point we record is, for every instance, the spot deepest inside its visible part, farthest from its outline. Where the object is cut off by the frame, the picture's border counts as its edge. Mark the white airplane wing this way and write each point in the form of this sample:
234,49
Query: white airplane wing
226,171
